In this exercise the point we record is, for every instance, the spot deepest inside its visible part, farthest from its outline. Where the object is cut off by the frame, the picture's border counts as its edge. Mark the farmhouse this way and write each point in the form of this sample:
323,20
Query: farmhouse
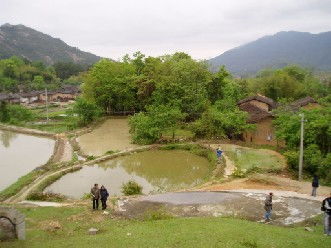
259,110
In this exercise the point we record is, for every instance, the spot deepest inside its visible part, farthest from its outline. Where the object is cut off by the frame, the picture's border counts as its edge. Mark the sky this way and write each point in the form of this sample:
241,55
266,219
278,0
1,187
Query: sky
202,28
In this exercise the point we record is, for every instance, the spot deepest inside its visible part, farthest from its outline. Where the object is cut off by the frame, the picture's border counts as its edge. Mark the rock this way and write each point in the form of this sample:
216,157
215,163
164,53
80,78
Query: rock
93,231
308,229
105,213
128,234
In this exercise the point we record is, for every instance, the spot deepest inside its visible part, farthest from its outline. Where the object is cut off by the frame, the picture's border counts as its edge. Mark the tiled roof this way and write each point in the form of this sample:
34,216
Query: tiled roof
255,113
259,98
302,102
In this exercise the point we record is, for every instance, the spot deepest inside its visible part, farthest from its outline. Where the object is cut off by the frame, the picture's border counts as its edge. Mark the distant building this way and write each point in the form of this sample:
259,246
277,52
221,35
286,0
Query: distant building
64,94
259,111
306,103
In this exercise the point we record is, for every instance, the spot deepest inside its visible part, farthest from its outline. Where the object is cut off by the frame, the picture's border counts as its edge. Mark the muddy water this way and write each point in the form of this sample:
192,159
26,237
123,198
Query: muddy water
112,135
156,171
20,153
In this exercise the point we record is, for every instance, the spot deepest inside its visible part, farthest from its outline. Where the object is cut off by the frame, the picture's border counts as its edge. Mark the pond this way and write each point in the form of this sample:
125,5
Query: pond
20,154
111,135
155,170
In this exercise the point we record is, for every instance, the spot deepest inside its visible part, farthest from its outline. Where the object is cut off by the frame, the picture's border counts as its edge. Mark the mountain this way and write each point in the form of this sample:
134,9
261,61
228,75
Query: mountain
278,50
33,45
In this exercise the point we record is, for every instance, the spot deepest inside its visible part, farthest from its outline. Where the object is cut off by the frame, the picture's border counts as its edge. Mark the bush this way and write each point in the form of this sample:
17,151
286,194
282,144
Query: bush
159,214
15,114
48,196
131,188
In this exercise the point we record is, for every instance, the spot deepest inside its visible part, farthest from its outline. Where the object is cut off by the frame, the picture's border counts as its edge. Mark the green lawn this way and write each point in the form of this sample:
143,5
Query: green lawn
175,232
248,158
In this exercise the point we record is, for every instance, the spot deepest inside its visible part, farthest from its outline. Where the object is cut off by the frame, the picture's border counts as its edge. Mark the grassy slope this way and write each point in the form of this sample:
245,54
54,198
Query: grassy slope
181,232
250,158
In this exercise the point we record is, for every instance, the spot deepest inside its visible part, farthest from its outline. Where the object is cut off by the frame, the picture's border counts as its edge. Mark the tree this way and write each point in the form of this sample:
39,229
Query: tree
148,127
86,111
38,83
216,85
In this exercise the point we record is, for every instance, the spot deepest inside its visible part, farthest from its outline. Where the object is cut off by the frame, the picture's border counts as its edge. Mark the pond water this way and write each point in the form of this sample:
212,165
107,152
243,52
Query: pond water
156,171
111,135
20,154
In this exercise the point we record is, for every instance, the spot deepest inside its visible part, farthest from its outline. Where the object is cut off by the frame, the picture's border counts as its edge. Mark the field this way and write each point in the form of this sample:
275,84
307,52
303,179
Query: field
254,159
67,227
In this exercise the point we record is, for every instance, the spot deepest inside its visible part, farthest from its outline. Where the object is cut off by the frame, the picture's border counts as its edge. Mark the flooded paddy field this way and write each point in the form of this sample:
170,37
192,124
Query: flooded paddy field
155,170
20,154
111,135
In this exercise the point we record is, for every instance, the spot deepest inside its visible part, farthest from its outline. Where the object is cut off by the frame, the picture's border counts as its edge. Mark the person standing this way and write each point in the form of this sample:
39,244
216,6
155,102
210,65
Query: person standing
326,208
219,153
315,185
268,206
95,192
103,196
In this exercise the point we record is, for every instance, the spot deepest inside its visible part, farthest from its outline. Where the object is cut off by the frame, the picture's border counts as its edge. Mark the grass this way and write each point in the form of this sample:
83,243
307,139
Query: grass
18,185
254,160
72,223
179,134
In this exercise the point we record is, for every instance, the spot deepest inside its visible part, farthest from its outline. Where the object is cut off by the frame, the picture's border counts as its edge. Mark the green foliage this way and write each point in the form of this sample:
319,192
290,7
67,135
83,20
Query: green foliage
222,120
289,82
86,111
65,70
317,138
48,196
131,188
159,214
15,114
148,127
18,74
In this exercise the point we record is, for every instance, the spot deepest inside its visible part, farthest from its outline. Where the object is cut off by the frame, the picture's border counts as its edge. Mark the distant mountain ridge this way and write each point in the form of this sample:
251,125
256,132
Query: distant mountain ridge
278,50
33,45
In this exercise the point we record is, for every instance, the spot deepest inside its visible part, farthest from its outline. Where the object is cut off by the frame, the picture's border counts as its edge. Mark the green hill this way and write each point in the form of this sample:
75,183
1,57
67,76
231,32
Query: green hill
33,45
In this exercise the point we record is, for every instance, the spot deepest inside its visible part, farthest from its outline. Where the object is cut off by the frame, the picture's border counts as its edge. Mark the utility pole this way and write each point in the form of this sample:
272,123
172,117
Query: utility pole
46,101
301,146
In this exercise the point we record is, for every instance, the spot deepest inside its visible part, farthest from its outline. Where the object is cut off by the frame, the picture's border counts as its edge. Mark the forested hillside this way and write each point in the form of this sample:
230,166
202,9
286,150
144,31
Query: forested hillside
276,51
25,42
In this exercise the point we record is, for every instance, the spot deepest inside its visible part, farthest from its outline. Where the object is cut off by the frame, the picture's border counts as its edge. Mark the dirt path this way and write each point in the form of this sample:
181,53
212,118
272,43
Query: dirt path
266,183
64,151
229,165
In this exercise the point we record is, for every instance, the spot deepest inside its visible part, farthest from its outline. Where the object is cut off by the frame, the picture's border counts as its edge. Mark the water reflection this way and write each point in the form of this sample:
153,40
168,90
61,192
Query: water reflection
20,153
156,171
6,137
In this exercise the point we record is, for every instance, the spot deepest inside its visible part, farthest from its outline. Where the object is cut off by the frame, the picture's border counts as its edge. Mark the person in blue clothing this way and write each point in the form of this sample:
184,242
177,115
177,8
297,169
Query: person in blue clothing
103,195
219,153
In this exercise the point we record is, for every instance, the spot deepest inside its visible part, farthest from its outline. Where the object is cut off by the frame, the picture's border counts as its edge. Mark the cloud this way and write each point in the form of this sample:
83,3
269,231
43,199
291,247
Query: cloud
203,28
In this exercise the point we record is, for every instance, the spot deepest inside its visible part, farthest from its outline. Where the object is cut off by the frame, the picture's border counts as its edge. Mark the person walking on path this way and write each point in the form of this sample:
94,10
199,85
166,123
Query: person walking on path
95,192
315,185
103,196
326,208
268,206
219,154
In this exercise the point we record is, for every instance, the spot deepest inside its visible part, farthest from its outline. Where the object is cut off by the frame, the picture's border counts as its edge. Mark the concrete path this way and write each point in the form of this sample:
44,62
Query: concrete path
43,203
287,210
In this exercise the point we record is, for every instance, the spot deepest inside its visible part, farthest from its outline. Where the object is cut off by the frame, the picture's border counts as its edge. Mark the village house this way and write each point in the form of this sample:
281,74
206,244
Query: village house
28,98
259,109
64,94
259,113
306,103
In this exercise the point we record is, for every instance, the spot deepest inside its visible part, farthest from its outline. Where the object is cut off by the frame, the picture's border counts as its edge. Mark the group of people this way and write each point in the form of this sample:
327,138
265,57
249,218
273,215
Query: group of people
99,194
326,208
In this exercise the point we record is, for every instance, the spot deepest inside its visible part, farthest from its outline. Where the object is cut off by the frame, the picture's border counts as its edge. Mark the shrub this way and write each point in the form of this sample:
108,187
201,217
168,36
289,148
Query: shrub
48,196
159,214
131,188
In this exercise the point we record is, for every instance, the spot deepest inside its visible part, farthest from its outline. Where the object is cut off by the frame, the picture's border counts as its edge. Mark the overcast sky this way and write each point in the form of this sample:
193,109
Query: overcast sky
202,28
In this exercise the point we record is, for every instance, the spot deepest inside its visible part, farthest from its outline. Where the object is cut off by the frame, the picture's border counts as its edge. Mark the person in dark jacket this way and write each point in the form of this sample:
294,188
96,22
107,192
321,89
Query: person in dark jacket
326,208
268,206
315,185
95,192
104,195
